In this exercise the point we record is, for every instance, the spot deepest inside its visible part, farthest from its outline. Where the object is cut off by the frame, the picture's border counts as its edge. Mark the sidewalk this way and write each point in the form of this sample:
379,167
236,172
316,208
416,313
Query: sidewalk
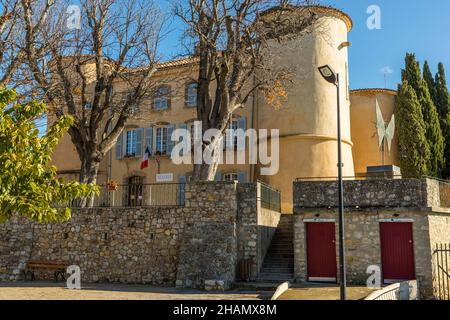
56,291
323,292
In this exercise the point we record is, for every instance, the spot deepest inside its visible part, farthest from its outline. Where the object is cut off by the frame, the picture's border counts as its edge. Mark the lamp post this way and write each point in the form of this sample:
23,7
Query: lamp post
329,75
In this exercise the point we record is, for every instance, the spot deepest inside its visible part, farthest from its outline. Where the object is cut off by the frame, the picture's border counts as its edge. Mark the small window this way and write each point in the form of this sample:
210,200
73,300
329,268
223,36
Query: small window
191,95
232,128
161,140
131,143
88,106
161,99
229,177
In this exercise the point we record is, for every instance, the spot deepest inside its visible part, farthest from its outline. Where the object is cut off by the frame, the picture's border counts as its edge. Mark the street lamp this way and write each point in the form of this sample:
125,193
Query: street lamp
332,77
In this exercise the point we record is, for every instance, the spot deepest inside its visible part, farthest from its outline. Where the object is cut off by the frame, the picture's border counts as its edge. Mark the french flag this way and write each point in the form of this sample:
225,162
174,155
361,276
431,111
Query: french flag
144,163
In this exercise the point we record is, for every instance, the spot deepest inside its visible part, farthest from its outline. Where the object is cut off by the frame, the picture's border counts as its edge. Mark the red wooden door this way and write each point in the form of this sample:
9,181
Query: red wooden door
321,251
397,251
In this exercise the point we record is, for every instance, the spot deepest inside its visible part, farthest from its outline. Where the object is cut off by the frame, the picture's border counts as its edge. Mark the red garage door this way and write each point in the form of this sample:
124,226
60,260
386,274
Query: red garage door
321,251
397,251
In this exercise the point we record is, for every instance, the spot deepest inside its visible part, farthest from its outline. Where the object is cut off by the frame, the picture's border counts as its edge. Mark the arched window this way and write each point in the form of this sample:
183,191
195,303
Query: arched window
191,94
161,99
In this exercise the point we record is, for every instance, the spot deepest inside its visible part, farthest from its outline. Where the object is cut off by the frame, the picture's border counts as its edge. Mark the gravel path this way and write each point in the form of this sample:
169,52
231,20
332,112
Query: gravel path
52,291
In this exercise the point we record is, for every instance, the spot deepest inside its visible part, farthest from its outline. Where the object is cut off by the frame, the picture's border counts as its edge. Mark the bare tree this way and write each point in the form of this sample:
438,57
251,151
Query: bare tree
115,46
14,37
232,38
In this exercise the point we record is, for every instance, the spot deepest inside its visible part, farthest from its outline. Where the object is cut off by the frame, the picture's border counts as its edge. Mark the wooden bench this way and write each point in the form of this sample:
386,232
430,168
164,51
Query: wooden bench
58,267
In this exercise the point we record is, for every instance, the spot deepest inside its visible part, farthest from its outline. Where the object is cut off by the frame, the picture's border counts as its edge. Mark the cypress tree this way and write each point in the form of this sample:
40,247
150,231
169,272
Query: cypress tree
443,106
413,146
429,79
442,95
412,75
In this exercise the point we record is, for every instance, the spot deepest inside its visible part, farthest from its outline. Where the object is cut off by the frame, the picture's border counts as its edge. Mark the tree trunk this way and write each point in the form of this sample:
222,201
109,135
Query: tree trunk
207,171
88,175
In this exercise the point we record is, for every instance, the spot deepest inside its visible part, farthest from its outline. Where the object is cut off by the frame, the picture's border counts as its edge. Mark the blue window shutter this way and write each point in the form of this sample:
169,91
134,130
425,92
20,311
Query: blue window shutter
149,139
119,147
242,123
181,190
139,137
218,177
170,143
242,177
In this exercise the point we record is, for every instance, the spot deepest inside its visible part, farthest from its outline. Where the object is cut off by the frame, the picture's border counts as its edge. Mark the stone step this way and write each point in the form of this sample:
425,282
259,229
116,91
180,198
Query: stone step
275,278
277,270
282,246
257,286
281,251
287,255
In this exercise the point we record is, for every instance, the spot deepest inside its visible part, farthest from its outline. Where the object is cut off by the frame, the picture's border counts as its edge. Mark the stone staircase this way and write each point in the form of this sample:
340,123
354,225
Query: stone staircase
278,265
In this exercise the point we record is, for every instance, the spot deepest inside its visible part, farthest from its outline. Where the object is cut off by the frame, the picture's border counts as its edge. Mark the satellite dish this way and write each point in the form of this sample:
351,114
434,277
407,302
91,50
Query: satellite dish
385,133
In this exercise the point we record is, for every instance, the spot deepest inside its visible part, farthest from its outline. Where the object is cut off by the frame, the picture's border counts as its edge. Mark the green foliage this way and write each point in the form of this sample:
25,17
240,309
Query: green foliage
443,106
412,75
28,182
442,94
414,149
429,80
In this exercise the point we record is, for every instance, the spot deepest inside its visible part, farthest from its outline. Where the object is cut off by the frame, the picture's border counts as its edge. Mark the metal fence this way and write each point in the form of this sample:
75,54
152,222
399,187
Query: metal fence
406,290
270,197
139,195
373,176
441,264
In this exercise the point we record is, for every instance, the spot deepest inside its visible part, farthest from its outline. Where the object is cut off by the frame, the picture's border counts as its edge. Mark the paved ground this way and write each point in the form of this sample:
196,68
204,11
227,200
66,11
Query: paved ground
52,291
324,292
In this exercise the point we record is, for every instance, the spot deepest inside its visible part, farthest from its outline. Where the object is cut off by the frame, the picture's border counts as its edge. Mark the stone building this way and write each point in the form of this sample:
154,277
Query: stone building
307,119
391,225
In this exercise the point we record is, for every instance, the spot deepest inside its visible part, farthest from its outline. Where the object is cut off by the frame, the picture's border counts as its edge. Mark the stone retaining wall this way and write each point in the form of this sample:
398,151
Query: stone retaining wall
256,226
367,203
368,193
133,245
195,246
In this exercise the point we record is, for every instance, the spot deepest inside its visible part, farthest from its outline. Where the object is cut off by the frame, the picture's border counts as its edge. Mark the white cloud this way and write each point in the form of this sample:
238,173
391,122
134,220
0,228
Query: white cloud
386,70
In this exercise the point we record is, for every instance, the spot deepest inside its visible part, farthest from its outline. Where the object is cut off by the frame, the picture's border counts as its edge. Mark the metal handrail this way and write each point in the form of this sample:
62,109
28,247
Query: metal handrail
373,176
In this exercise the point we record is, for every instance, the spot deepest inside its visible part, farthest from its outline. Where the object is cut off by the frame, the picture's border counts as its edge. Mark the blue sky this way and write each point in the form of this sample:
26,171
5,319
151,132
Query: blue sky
417,26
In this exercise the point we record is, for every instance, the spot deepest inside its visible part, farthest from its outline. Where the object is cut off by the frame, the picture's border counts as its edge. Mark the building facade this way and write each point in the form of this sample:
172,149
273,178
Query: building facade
307,120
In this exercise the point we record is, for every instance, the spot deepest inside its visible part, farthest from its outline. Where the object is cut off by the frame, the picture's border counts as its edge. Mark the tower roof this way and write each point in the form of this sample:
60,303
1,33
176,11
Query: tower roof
318,9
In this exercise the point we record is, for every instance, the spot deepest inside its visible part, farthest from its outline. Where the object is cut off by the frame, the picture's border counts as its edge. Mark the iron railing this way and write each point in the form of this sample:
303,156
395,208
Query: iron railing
441,264
373,176
270,197
138,195
406,290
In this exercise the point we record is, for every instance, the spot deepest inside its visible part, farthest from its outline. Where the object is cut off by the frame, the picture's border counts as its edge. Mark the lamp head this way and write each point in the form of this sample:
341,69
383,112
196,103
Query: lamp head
328,74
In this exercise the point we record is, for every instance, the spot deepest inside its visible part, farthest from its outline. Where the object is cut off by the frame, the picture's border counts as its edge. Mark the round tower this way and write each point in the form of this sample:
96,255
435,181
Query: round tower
307,119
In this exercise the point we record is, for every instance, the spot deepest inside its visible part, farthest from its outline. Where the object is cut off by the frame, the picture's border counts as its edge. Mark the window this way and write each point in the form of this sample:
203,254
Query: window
230,177
131,143
88,106
233,127
191,95
161,140
161,99
135,191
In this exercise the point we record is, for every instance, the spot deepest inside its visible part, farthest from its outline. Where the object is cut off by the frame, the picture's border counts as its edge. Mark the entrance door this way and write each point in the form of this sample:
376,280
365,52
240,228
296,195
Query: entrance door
397,251
321,251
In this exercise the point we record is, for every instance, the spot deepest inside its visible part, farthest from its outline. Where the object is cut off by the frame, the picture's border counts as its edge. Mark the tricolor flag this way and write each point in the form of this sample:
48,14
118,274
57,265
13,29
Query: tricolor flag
144,163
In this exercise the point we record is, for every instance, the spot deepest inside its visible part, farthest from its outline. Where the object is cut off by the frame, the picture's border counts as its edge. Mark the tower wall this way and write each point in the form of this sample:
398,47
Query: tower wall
308,119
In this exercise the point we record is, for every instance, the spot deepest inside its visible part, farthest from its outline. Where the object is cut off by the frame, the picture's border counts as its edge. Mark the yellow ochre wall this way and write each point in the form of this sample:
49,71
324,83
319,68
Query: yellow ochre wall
366,151
307,120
